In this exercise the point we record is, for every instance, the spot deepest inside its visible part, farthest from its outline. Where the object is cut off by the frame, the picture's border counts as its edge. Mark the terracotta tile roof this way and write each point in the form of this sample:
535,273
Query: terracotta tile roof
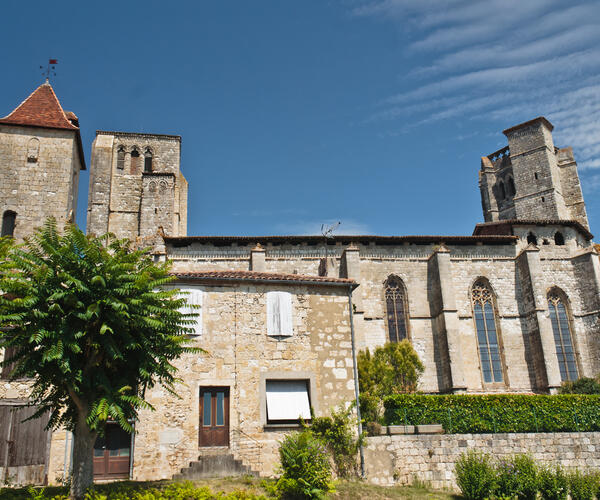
40,109
504,227
256,276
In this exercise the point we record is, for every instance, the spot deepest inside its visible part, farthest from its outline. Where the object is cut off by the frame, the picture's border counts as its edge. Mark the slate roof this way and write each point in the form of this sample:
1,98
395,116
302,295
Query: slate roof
257,276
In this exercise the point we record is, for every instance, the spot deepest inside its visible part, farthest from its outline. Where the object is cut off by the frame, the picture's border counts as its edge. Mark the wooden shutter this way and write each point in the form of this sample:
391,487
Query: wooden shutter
287,400
194,298
9,352
279,313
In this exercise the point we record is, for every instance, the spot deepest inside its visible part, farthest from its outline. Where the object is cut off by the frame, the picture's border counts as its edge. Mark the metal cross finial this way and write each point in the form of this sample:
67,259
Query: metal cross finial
49,71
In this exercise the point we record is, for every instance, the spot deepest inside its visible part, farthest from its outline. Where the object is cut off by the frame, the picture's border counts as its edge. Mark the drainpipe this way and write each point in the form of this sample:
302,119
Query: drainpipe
356,390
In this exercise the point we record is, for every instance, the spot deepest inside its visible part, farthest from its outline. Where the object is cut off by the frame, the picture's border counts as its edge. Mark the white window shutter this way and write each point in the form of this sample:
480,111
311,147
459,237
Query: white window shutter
194,297
279,313
287,399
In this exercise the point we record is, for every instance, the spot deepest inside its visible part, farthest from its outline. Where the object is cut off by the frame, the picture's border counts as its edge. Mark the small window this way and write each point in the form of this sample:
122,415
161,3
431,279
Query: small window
33,150
287,401
543,199
559,239
511,187
148,160
121,158
279,314
135,158
531,238
535,175
501,190
8,223
194,298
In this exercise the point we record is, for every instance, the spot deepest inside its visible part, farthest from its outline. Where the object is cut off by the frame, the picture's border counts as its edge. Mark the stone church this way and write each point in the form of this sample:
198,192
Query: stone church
513,307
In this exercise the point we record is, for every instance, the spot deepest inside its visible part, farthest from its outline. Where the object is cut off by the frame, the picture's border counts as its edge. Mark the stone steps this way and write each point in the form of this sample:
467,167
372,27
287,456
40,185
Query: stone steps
214,465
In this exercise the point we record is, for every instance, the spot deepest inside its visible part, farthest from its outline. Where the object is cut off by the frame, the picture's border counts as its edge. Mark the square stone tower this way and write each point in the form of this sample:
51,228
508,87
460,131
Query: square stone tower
531,179
40,159
136,186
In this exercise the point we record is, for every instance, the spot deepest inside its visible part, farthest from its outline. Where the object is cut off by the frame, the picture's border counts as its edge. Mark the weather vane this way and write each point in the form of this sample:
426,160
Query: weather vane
49,71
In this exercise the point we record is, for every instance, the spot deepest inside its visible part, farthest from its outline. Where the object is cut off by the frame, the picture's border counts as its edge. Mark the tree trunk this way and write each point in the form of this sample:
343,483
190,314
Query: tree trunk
83,460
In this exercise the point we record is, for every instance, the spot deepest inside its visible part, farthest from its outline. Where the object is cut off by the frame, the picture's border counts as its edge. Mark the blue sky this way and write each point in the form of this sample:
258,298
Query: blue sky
293,114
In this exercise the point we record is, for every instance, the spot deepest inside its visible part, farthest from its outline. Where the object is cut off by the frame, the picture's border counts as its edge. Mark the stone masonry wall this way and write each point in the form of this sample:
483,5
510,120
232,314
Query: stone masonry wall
39,175
402,459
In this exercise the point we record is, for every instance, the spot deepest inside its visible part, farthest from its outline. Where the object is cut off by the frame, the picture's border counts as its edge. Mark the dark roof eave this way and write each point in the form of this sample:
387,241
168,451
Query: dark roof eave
216,279
459,240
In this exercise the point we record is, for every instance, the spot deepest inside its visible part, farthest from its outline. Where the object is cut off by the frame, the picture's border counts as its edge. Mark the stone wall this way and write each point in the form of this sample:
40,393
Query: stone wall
39,175
127,200
402,459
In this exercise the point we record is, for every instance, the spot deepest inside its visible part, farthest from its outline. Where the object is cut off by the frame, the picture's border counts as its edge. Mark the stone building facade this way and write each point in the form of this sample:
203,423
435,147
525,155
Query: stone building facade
41,156
513,307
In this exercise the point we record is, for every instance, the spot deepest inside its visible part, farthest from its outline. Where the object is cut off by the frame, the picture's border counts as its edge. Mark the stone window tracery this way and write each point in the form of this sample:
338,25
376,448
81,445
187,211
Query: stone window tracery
487,332
561,327
396,309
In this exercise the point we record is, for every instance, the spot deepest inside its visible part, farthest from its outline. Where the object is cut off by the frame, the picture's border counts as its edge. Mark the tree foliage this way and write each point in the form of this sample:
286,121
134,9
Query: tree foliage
583,385
394,368
92,327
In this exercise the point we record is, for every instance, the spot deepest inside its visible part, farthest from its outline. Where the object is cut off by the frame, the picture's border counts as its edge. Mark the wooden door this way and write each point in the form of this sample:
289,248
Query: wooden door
111,453
214,416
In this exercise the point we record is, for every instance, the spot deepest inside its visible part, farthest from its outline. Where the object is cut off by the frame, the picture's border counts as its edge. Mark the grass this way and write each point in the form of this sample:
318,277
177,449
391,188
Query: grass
345,490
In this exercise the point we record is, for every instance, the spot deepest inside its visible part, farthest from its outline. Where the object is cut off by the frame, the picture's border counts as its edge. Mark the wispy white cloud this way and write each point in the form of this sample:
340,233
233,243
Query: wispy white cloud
498,60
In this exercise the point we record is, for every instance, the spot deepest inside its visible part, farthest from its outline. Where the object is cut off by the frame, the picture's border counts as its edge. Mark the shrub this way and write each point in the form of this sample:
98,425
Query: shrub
496,413
553,484
370,407
339,435
582,486
517,477
584,385
475,475
305,466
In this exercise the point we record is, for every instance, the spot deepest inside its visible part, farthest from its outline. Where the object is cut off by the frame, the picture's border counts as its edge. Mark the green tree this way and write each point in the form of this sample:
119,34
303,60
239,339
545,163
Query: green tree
93,329
393,368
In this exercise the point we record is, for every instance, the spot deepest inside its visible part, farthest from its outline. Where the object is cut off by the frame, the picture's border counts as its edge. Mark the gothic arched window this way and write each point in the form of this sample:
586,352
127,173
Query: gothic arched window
8,223
484,312
559,239
501,190
135,158
121,158
396,307
148,160
561,327
531,238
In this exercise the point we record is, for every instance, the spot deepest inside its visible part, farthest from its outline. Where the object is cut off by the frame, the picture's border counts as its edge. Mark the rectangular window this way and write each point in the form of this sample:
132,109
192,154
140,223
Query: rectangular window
287,401
279,314
194,298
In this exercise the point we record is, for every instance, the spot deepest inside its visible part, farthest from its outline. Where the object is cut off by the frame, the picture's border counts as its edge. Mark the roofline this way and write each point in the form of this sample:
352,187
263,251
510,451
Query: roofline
542,119
532,222
136,134
464,240
77,134
346,284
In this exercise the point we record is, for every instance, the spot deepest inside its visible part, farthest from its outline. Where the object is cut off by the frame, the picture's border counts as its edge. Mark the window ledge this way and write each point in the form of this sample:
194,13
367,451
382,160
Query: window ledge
280,427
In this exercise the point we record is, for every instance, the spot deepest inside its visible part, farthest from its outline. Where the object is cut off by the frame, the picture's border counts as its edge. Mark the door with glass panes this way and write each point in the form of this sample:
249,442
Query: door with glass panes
214,416
111,453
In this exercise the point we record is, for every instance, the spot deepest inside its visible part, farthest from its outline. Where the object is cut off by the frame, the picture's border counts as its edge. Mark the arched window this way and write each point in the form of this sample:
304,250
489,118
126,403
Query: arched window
121,158
563,339
135,158
148,160
33,150
484,312
559,239
501,190
8,223
531,238
511,187
396,306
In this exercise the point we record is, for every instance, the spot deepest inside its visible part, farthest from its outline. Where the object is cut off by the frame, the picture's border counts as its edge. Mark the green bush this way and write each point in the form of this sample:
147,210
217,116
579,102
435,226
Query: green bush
475,475
517,477
338,432
584,385
393,368
496,413
305,466
582,486
553,484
